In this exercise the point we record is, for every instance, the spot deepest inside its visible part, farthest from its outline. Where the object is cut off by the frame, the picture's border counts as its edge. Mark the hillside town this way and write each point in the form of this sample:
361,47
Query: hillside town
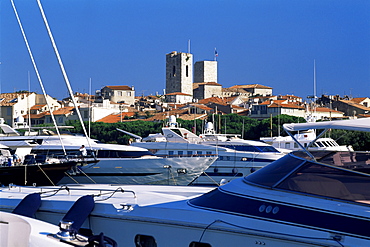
192,91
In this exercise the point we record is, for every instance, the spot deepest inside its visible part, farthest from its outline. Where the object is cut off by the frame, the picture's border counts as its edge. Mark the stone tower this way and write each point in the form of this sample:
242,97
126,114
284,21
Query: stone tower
179,73
205,71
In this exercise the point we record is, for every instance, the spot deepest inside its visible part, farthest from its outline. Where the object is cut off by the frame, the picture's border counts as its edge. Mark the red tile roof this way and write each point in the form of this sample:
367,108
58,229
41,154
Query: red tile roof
115,118
178,93
127,88
212,100
251,86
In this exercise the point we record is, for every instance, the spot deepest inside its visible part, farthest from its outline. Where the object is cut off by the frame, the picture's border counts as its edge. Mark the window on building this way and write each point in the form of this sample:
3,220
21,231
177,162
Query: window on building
187,71
174,71
128,93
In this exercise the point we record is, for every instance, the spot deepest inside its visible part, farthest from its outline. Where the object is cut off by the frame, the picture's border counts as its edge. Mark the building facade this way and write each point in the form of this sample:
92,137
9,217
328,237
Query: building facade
116,94
205,71
179,73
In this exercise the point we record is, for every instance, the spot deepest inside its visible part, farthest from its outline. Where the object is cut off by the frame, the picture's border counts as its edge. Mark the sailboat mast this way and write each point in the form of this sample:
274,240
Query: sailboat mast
63,70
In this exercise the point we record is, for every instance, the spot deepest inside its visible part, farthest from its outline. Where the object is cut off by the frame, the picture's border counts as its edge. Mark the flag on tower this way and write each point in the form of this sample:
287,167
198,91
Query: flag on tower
216,54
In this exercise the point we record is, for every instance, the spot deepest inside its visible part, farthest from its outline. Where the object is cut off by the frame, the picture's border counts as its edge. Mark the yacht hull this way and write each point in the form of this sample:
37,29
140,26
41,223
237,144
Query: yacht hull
153,170
179,216
43,174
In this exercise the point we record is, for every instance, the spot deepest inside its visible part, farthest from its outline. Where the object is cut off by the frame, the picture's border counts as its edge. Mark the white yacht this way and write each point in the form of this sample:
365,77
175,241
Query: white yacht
107,163
302,199
236,157
307,139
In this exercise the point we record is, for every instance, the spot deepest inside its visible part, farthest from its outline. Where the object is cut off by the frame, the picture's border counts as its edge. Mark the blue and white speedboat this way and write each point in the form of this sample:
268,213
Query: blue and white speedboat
302,199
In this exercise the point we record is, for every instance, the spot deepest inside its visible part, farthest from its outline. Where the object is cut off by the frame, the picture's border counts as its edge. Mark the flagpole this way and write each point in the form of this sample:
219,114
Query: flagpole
216,54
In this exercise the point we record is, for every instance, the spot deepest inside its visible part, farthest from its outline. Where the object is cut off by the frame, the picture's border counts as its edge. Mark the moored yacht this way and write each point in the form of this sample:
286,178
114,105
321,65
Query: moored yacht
237,157
107,163
308,139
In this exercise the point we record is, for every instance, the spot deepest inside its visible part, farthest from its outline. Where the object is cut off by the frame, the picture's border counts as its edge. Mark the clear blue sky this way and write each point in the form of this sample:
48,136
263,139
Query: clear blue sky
121,42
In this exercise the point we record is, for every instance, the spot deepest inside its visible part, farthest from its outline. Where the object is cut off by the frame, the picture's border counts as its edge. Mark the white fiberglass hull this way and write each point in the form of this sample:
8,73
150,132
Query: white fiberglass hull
16,230
231,164
149,170
165,215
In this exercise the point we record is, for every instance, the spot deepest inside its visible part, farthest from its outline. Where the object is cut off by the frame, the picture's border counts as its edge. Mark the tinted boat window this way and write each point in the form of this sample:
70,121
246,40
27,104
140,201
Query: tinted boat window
329,181
121,154
258,149
274,172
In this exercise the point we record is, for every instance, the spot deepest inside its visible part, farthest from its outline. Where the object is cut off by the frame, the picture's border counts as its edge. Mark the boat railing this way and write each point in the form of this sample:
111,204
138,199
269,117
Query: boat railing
99,194
185,155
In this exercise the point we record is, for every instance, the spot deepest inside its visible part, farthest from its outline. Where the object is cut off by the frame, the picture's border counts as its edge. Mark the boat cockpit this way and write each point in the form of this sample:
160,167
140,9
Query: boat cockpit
250,148
339,175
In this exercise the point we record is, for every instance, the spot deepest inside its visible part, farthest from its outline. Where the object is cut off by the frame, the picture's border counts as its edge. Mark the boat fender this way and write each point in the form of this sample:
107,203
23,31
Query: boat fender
101,241
79,211
28,206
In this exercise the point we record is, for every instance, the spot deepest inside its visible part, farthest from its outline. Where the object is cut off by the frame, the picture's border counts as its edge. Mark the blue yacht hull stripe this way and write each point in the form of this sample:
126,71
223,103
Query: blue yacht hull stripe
284,213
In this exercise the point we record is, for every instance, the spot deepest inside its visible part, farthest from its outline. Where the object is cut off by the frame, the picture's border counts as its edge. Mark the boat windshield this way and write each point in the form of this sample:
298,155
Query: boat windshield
296,174
245,148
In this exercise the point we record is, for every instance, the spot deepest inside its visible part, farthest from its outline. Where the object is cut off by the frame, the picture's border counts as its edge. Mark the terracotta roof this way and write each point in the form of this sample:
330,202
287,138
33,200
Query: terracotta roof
37,107
212,100
197,84
230,99
286,106
289,96
201,106
358,100
7,97
178,93
127,88
63,111
115,118
34,116
325,109
251,86
235,90
354,104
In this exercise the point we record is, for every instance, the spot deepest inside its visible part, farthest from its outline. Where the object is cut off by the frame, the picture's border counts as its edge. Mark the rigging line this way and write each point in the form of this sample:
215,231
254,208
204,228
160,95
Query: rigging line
74,180
80,170
45,174
63,70
37,73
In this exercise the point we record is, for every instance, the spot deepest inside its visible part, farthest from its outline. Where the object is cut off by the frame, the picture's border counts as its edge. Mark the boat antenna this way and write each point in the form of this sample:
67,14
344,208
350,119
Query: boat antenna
37,72
63,70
